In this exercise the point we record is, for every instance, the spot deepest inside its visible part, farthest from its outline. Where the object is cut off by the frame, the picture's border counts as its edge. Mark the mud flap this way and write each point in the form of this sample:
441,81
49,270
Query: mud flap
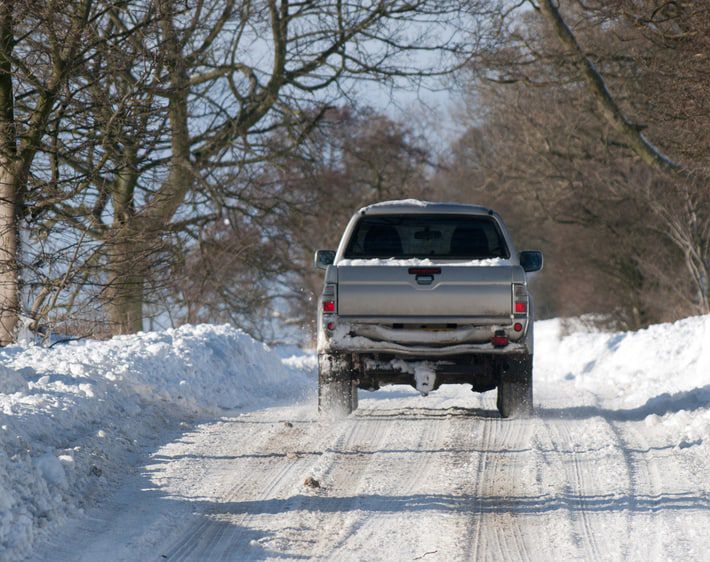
515,389
335,387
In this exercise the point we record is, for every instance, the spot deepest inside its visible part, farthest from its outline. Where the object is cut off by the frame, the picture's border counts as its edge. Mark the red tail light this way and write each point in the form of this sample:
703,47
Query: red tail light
520,299
499,341
328,306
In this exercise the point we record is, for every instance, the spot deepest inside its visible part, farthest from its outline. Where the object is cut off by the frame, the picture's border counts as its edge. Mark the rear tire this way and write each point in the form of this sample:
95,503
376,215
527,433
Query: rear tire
515,389
335,387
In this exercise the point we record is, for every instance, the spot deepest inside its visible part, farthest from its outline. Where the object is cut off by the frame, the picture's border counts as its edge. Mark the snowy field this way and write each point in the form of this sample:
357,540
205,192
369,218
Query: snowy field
194,444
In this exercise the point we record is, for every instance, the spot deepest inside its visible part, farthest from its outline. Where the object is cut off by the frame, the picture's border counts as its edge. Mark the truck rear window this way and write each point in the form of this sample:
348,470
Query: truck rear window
426,236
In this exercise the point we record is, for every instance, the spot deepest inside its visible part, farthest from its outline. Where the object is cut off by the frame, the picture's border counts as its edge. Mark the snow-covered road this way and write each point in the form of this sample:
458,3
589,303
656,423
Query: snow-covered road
196,443
409,478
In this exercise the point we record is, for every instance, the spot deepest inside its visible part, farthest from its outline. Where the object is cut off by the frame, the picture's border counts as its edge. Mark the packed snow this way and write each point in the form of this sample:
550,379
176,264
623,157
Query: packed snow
73,416
660,375
417,203
399,203
615,462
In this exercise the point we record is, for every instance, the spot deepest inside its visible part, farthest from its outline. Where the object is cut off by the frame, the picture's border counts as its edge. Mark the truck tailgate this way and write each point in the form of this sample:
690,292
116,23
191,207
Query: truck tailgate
455,291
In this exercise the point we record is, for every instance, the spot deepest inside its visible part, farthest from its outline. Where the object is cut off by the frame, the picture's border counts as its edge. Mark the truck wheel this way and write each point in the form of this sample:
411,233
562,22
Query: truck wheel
515,389
335,387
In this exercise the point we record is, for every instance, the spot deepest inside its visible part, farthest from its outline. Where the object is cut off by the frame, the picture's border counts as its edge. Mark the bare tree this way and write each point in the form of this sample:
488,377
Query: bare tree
256,271
605,102
679,196
627,237
182,101
40,46
355,158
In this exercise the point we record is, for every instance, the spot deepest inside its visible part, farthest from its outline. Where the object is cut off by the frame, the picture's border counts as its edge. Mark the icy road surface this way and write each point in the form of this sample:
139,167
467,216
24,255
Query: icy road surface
410,478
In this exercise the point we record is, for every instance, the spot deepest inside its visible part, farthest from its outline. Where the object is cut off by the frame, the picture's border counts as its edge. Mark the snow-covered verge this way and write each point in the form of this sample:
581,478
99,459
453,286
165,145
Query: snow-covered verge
73,417
660,375
76,418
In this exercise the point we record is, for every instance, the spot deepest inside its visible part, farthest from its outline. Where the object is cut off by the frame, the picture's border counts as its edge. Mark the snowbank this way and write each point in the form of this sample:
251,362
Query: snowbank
660,375
72,417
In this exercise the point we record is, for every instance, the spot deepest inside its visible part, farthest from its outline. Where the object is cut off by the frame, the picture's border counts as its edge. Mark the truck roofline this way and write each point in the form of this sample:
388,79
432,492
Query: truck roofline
415,207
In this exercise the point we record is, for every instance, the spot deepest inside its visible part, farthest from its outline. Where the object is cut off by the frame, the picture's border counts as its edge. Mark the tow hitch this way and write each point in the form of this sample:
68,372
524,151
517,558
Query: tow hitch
424,378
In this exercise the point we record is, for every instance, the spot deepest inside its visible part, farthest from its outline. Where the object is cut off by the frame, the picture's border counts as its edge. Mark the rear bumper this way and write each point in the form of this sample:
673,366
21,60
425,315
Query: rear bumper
360,345
360,338
475,335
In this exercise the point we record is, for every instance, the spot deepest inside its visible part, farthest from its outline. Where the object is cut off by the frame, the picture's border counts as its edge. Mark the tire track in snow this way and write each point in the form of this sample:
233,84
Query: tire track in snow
516,435
351,466
340,466
497,532
594,505
642,473
578,478
392,479
210,535
207,537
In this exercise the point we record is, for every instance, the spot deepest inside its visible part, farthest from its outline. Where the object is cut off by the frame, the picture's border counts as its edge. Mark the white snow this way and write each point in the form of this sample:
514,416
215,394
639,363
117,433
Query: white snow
400,203
614,465
660,374
414,262
71,416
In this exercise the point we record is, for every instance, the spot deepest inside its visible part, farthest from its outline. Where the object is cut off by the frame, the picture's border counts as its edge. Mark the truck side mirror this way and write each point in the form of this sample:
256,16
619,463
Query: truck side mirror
531,260
324,258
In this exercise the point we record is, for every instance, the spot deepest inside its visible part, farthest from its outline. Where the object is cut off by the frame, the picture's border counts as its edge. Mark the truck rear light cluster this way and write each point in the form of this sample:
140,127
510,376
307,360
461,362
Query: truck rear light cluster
520,299
330,306
329,298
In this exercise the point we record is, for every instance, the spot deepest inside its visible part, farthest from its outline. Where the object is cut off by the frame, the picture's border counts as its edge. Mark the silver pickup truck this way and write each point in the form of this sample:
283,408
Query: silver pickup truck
425,294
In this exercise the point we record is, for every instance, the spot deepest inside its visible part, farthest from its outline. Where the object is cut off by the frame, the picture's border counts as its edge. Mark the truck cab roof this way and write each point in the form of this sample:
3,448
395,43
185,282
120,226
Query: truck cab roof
414,206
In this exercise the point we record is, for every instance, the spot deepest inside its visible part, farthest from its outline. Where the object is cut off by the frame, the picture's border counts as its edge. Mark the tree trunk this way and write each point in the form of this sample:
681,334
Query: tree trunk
9,286
124,300
9,279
